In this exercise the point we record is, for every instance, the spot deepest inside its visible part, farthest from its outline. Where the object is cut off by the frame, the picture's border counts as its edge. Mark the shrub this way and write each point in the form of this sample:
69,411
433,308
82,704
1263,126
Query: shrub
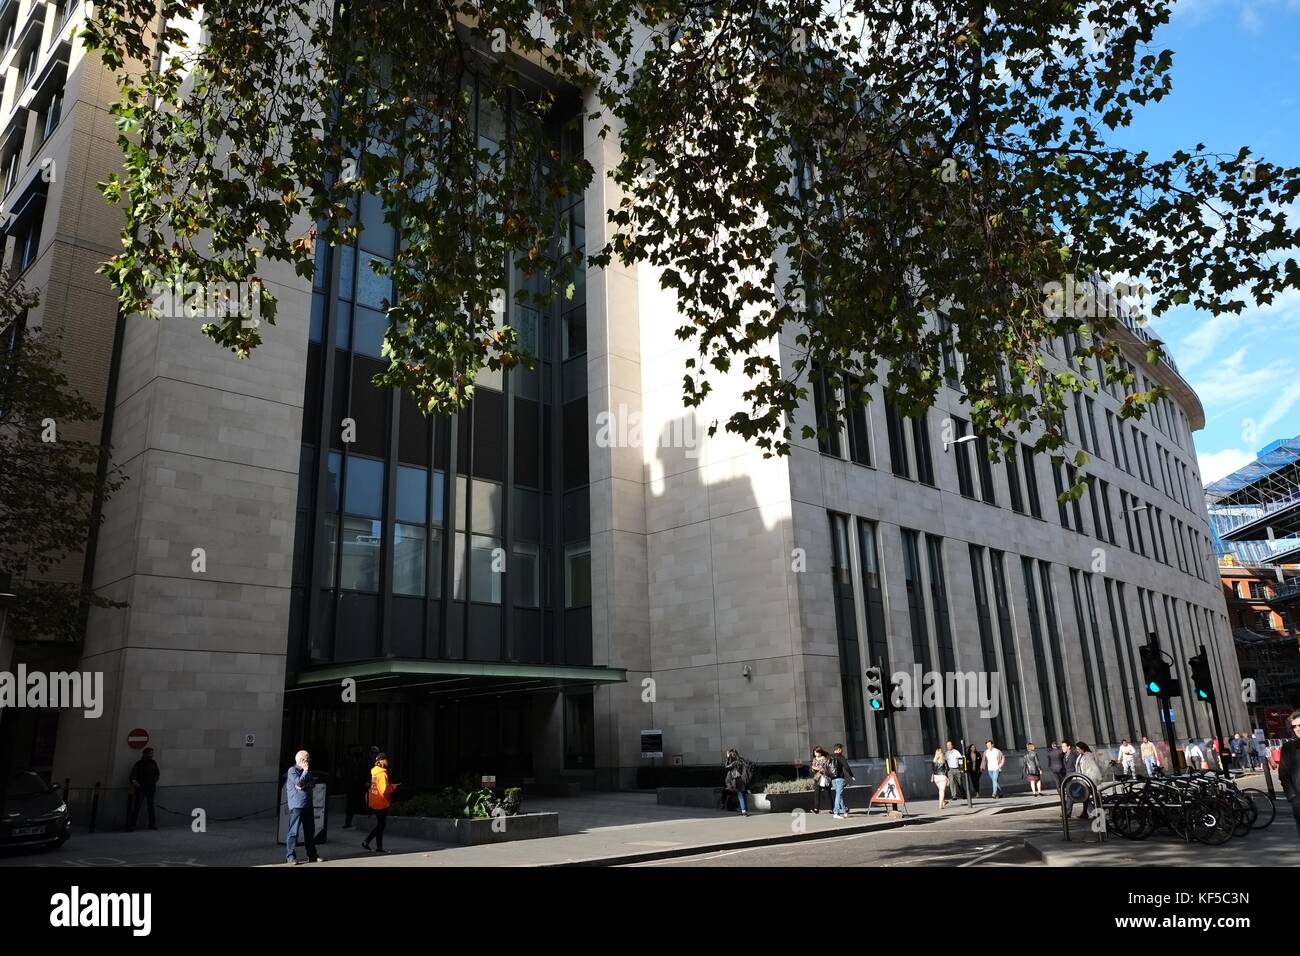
801,785
472,803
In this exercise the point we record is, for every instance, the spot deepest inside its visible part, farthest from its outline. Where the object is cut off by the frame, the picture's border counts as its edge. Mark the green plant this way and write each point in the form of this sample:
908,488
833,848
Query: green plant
513,801
802,785
478,803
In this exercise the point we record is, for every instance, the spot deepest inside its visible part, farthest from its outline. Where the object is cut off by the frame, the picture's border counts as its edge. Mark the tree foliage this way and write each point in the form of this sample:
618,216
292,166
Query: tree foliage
49,481
840,171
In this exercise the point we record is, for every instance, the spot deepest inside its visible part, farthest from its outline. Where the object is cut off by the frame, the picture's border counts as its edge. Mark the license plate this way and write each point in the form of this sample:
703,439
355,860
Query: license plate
27,831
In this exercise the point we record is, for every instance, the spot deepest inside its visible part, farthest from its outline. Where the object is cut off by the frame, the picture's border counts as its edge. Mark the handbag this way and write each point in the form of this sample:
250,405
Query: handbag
823,781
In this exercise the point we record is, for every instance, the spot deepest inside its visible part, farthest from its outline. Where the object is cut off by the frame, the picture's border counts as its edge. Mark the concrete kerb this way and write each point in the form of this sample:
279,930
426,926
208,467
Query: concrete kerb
773,840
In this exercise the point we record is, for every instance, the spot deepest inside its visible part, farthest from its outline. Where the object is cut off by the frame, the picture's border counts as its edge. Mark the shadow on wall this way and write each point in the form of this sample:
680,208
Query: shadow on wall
718,554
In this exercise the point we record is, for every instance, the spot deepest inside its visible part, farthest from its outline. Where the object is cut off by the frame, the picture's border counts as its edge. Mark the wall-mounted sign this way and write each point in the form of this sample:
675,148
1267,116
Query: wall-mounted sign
652,743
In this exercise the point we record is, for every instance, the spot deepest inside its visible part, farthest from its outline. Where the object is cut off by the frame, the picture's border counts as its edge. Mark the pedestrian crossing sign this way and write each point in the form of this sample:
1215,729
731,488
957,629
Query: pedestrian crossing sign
889,791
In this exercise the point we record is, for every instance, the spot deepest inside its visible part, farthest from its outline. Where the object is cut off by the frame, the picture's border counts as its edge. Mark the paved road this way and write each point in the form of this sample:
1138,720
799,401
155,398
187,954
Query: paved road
979,840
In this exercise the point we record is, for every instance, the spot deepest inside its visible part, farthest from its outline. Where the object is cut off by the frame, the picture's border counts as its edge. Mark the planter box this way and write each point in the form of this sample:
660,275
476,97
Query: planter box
525,826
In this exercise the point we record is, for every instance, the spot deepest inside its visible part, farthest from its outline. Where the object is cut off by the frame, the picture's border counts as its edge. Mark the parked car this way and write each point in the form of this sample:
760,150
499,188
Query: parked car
33,813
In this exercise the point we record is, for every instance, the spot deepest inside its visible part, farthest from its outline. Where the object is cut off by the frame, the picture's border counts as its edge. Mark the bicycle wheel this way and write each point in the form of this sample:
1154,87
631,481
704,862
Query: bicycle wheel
1212,821
1246,813
1265,809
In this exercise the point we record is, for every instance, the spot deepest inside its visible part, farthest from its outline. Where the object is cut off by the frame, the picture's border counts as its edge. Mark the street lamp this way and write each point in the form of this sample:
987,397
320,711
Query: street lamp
959,441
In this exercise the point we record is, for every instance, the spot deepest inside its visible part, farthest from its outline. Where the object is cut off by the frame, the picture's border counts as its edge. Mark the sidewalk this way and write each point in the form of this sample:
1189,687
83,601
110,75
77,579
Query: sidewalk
1277,845
690,832
596,829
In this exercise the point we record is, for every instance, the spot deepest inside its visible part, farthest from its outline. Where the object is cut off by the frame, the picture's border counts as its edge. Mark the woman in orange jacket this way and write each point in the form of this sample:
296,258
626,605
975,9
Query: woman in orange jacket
378,799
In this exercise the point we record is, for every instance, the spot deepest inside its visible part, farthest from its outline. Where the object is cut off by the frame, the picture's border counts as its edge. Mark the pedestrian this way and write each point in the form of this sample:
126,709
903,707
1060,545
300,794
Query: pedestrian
1071,757
1056,762
973,769
821,779
956,778
1288,768
1032,769
298,784
841,773
1195,757
1237,750
379,800
992,763
144,784
739,773
1127,759
1086,763
939,776
1150,756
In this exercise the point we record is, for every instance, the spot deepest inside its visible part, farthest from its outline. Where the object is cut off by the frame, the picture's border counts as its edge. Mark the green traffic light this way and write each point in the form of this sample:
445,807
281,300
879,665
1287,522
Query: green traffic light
1203,695
875,704
1153,687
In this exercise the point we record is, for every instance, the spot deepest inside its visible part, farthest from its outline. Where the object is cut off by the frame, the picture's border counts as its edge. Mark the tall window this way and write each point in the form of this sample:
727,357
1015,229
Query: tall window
1124,639
1013,484
984,621
846,630
1010,658
1086,648
897,441
1042,651
1031,481
873,590
1058,645
920,631
943,628
921,442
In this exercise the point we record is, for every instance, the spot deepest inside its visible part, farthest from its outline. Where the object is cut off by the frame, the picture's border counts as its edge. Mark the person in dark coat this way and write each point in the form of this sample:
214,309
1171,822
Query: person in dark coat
973,769
736,779
144,782
1056,763
1288,768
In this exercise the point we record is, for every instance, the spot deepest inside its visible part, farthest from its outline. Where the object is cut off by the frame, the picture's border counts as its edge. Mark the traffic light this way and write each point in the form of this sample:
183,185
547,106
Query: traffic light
1200,667
1156,675
876,702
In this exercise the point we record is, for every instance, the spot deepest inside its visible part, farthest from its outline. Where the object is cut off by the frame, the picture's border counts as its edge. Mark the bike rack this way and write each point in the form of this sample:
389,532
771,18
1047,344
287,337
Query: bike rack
1093,797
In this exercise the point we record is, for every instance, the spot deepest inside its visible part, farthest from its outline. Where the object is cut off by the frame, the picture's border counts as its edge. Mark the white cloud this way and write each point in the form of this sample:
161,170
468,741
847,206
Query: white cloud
1230,382
1219,464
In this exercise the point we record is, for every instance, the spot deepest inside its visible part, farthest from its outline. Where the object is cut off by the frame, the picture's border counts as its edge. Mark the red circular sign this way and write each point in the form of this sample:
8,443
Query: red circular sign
137,738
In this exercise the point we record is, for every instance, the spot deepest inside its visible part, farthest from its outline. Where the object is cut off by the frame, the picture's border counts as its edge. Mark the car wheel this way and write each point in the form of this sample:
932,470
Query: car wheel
57,843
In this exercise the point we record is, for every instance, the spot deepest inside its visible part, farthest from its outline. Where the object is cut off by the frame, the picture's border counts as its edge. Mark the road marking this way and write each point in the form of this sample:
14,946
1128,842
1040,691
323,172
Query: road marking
1005,846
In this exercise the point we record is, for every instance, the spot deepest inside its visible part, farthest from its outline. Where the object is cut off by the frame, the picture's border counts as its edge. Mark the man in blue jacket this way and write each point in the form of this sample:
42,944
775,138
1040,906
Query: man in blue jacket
298,784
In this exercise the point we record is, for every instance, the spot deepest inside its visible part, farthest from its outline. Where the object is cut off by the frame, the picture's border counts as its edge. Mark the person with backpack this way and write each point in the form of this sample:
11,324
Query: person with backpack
379,801
739,773
1032,770
821,780
840,773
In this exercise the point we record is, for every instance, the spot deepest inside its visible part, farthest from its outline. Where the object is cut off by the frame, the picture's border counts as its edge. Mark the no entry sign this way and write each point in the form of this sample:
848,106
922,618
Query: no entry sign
137,739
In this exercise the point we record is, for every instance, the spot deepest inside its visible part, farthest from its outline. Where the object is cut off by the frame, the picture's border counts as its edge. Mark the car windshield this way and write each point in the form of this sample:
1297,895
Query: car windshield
27,785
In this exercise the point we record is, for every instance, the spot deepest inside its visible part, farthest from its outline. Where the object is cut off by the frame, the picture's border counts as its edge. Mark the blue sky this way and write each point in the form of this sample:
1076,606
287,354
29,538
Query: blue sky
1236,82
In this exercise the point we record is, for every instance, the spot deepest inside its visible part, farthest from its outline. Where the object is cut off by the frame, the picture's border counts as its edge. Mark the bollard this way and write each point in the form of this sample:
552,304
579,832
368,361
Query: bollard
1268,779
94,807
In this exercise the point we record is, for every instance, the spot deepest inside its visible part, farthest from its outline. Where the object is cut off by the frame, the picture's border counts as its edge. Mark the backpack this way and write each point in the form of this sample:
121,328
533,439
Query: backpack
747,768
